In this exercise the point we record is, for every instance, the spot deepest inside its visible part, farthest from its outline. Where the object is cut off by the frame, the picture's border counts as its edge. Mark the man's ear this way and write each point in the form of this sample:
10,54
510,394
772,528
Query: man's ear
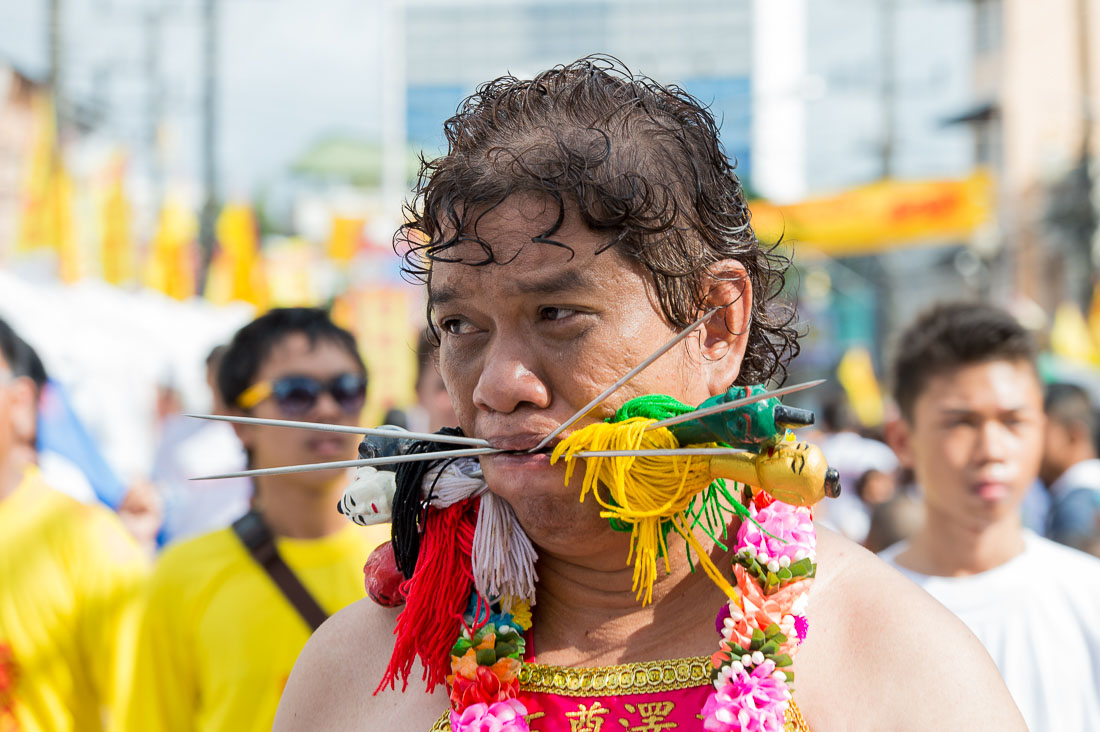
898,436
726,332
23,397
245,432
1078,434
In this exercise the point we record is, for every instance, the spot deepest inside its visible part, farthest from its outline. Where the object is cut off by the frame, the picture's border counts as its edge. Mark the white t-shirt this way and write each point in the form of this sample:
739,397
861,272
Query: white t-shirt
1038,615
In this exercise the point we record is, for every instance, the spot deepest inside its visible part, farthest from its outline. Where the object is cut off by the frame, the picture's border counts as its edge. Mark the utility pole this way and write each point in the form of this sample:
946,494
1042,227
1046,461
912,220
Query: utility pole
53,42
888,11
394,143
153,99
209,133
1090,244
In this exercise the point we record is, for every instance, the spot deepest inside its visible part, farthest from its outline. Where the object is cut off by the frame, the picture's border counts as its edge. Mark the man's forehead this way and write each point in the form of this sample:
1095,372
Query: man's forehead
1000,385
509,281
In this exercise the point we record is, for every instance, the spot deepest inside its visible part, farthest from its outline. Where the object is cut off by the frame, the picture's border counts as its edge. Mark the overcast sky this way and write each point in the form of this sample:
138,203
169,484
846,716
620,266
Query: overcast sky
291,71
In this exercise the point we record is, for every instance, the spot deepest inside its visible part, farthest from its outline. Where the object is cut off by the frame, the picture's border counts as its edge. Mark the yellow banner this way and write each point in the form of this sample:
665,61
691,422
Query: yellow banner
237,270
382,318
116,241
856,374
881,215
172,263
345,239
38,225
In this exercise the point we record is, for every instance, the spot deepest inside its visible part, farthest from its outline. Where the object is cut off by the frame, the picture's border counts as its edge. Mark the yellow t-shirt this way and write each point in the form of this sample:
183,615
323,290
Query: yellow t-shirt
70,576
218,639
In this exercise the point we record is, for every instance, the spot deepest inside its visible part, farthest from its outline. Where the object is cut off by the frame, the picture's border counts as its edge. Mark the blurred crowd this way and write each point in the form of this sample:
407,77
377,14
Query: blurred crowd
176,604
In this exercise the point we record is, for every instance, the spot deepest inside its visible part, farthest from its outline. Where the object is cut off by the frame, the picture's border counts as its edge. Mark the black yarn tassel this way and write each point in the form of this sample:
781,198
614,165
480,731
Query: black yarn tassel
408,503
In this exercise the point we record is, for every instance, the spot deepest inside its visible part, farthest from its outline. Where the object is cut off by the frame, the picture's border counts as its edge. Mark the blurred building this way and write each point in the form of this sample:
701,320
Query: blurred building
851,93
1036,70
705,47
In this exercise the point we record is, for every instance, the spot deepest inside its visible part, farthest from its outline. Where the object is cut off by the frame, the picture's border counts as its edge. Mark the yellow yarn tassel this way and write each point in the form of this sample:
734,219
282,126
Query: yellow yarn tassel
643,491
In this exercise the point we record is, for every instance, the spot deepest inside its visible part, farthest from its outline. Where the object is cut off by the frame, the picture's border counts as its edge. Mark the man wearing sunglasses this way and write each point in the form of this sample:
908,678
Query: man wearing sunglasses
228,612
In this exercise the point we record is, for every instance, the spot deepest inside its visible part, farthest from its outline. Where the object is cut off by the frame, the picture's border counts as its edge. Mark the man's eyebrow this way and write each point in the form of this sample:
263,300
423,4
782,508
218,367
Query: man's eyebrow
566,281
968,411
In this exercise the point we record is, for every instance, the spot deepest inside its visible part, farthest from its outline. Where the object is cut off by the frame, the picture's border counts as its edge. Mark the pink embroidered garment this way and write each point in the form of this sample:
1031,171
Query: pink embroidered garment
636,697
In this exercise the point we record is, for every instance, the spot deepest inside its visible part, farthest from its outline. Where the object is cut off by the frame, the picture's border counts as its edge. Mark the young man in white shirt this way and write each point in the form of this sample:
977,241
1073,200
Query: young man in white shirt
971,428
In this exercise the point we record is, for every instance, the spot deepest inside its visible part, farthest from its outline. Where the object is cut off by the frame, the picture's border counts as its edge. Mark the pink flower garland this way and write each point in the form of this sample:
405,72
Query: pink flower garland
502,716
775,565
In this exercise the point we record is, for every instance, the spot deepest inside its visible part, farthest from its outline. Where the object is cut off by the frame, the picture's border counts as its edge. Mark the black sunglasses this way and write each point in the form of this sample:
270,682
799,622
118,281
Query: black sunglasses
297,395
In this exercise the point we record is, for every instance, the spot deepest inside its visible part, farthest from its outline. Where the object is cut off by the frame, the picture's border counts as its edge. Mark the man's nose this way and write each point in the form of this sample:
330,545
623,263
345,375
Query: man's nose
327,409
996,441
509,379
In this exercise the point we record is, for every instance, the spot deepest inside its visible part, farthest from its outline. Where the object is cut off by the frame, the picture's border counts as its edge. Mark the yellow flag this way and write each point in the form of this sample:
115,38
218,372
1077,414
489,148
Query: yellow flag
237,269
116,244
172,260
36,223
1094,317
1070,337
290,268
856,374
381,320
345,238
60,206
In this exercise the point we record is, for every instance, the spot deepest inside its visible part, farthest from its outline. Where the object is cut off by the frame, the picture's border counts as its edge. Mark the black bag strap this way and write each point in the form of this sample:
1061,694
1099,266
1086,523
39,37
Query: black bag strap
256,537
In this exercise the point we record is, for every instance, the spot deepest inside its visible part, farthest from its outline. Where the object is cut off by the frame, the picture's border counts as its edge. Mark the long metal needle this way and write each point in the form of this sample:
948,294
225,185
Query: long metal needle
629,375
666,452
687,417
355,463
399,434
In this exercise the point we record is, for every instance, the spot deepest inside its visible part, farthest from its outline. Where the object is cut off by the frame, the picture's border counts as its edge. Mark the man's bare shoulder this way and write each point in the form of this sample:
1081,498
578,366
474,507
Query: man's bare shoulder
333,682
882,649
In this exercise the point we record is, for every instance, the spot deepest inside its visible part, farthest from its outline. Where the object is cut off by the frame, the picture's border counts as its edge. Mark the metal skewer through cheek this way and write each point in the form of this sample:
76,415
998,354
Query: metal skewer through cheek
394,433
447,454
696,414
412,458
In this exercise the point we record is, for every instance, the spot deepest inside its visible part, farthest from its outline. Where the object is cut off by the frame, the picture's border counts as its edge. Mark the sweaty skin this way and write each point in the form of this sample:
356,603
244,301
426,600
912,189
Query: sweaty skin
524,345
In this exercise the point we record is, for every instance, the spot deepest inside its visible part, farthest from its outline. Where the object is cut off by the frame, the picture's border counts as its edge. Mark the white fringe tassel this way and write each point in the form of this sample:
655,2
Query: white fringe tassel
503,556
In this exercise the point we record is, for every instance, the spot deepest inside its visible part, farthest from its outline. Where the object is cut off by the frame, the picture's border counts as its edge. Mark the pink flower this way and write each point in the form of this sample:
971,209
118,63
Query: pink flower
503,716
750,702
762,610
793,526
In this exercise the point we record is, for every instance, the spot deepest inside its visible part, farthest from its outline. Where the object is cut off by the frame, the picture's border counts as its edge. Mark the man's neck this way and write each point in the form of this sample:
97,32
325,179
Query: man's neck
580,607
12,469
945,547
301,512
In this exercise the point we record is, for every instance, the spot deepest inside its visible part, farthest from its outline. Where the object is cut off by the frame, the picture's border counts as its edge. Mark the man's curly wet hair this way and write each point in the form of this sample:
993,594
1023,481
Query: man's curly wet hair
641,162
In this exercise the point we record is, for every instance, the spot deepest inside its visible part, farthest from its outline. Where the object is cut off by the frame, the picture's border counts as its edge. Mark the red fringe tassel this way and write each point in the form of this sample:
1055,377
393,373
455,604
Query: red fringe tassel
437,596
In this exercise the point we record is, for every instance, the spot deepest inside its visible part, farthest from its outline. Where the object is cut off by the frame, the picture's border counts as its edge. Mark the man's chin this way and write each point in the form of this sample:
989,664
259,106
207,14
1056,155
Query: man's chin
522,477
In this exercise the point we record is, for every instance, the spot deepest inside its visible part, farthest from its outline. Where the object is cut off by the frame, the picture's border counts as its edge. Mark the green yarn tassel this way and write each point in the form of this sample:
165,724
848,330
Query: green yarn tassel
710,509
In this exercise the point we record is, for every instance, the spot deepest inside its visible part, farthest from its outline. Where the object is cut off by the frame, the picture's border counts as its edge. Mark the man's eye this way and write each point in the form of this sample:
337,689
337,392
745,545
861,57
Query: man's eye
552,313
454,326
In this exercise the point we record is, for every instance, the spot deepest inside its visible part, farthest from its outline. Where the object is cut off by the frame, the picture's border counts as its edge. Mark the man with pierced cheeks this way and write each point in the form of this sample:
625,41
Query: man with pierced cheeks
577,222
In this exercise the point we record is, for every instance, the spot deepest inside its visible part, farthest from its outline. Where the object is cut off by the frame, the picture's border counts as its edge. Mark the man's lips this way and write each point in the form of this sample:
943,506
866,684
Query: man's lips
990,490
326,445
520,443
